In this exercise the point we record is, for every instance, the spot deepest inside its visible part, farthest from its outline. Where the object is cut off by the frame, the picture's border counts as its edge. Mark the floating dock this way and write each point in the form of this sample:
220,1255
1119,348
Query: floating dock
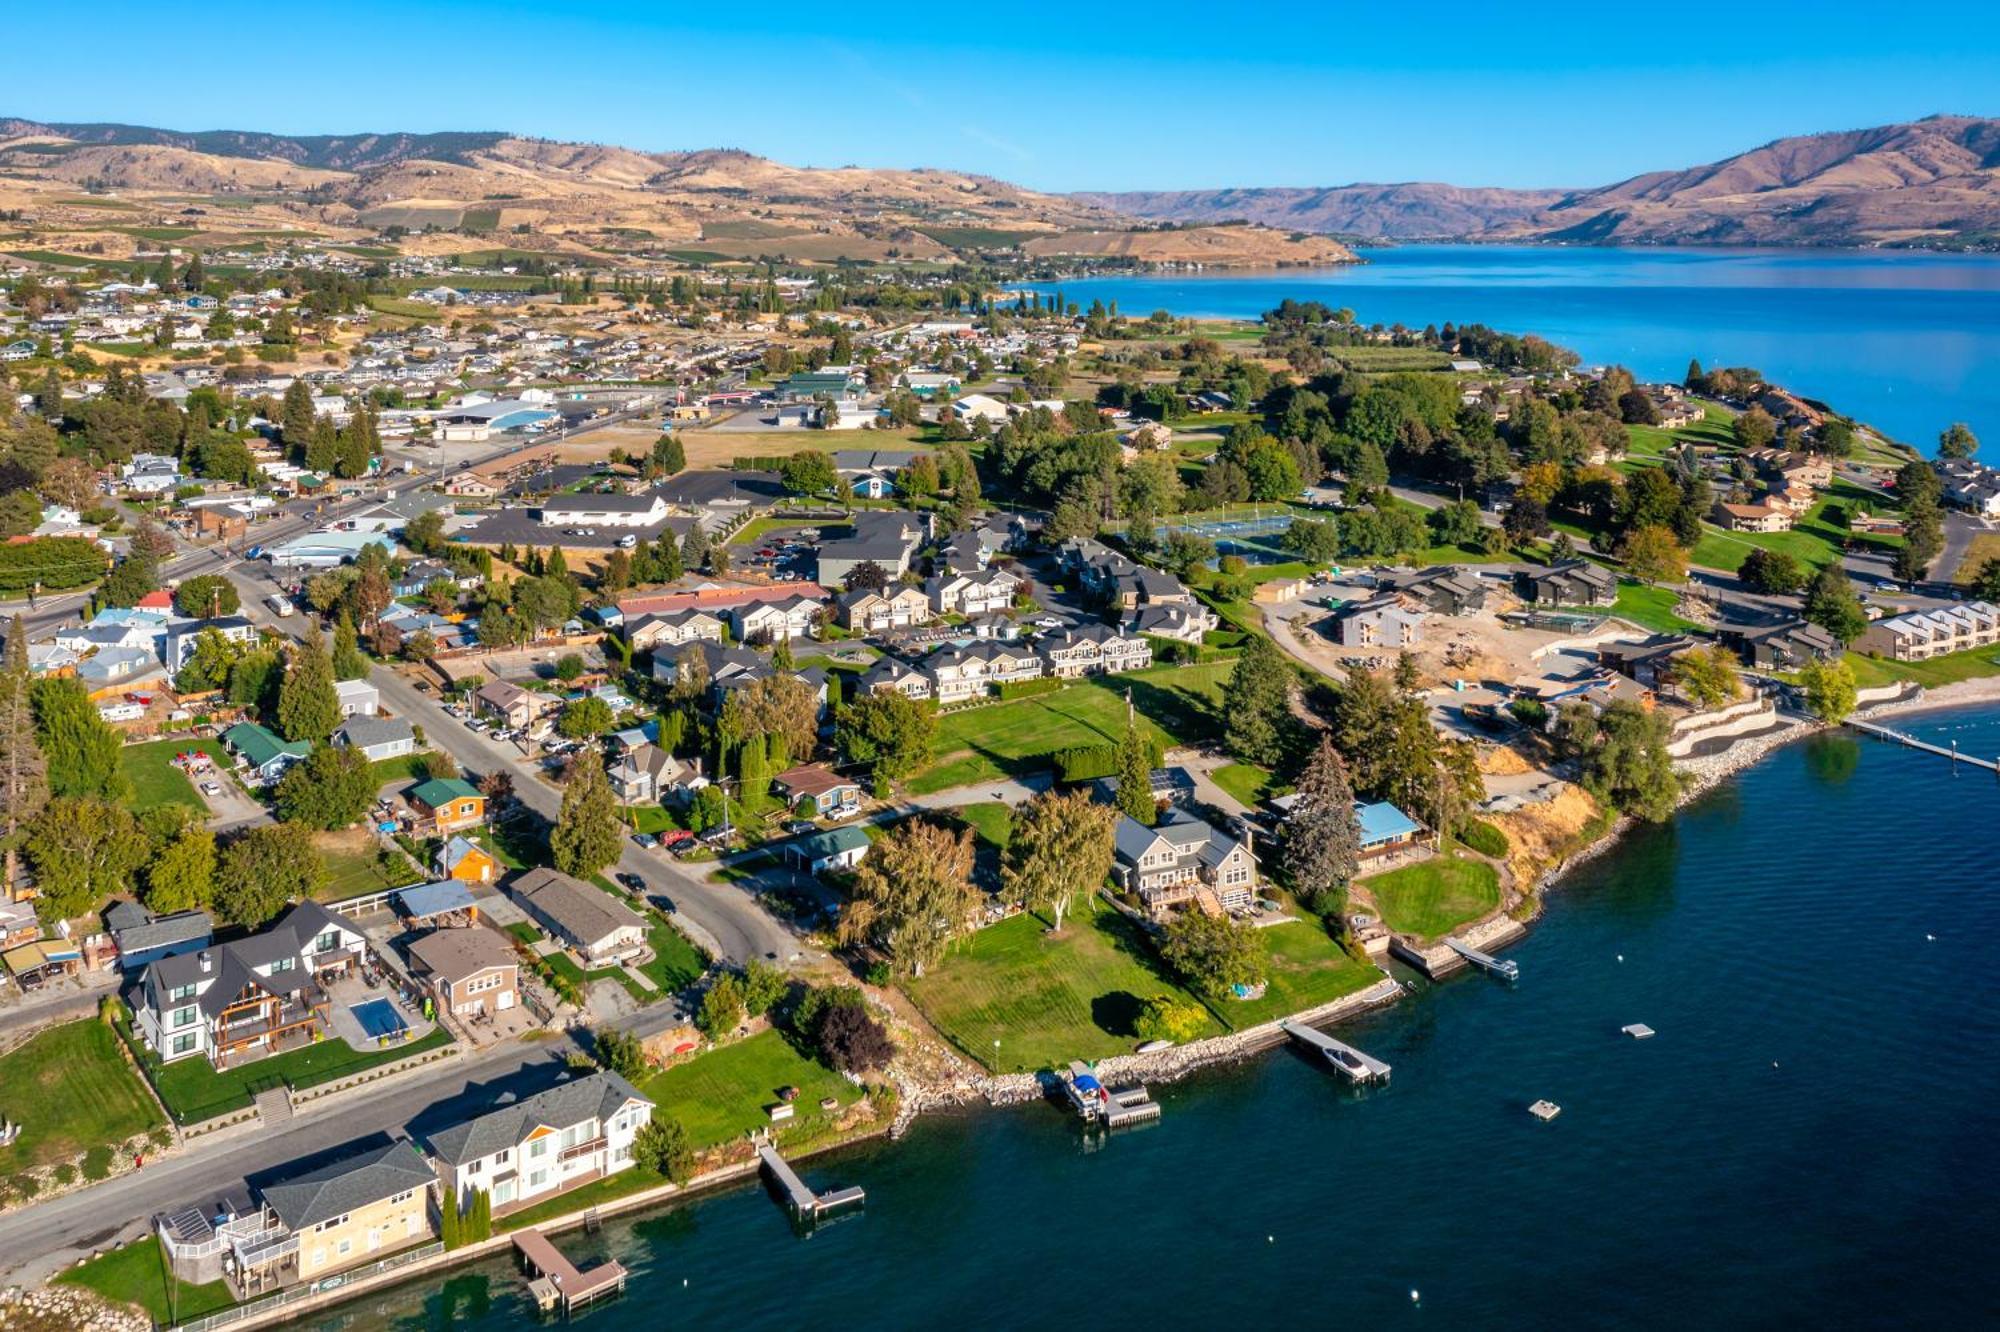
555,1282
1355,1066
1113,1107
1638,1031
1545,1110
805,1204
1504,968
1911,742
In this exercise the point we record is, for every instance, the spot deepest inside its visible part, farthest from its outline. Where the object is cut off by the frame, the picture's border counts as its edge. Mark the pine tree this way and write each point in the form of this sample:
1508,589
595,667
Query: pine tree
308,706
1322,837
557,565
348,661
449,1228
322,447
23,772
295,419
1135,772
587,832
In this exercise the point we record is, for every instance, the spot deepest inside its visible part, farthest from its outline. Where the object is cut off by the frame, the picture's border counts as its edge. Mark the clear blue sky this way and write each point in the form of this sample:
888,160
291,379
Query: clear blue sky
1077,96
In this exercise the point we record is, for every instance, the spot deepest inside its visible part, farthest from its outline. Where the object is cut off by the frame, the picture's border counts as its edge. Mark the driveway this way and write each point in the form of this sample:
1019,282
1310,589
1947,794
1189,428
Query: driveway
230,806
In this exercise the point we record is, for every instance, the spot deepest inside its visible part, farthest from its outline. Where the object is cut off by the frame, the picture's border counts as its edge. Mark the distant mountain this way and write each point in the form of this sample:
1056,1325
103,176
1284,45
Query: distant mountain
332,152
1932,182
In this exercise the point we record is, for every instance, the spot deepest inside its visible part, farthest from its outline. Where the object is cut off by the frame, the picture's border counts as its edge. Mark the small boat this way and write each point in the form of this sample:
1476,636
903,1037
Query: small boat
1151,1047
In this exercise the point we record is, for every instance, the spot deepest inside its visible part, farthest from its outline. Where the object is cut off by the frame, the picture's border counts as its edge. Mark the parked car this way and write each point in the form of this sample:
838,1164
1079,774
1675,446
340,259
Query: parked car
677,839
211,788
800,827
645,841
632,883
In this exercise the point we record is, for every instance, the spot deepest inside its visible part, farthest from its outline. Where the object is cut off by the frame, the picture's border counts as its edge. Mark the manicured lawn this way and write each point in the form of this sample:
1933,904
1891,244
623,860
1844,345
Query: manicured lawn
195,1091
137,1274
156,781
676,963
723,1094
1435,897
1814,540
525,931
1176,703
399,769
358,871
1247,782
1303,968
1650,607
992,822
70,1089
1046,998
1975,664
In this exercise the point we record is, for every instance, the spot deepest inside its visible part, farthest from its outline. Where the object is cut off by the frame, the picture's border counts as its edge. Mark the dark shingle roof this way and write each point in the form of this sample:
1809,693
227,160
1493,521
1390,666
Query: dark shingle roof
597,1096
333,1190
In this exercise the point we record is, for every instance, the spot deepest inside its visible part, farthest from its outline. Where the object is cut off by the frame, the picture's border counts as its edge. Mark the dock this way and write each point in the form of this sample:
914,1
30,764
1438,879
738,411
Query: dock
804,1203
1352,1064
1638,1031
555,1282
1113,1107
1503,967
1545,1110
1911,742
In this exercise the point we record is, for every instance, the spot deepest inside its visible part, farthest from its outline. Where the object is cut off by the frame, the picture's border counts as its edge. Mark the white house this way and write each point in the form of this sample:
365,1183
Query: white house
571,1134
972,593
791,618
358,698
604,510
978,407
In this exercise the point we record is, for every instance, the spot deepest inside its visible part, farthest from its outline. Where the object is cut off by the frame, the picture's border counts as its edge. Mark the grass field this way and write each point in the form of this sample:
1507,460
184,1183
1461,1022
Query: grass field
1650,607
70,1089
137,1274
991,822
195,1091
723,1094
1983,547
356,868
1247,782
1382,360
1045,998
1813,541
156,781
676,962
1435,897
1176,703
1303,969
1973,665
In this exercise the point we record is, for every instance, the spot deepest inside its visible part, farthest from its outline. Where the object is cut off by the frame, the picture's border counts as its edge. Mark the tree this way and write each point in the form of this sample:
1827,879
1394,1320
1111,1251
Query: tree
308,706
888,731
83,850
1526,519
1957,441
1322,837
331,787
586,718
1211,953
1254,703
1829,690
182,876
265,868
1708,675
1774,572
1986,581
620,1051
425,533
1630,767
1832,605
207,596
866,576
1135,772
722,1006
587,832
1455,524
130,579
1061,849
1165,1018
569,666
1754,429
150,539
662,1146
349,662
852,1040
1652,554
913,895
82,752
24,785
808,472
668,455
1312,540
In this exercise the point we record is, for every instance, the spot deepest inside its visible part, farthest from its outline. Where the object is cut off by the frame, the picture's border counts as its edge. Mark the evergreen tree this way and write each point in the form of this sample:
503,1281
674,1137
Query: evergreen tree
587,832
348,661
308,707
1254,703
1322,837
1135,772
23,772
295,419
322,447
82,753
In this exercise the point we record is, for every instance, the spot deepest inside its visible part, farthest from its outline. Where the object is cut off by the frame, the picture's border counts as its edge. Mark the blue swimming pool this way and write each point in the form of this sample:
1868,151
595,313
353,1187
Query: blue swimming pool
379,1018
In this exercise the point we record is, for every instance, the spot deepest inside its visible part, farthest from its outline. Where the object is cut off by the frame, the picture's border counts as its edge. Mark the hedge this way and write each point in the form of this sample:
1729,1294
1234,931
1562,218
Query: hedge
53,562
1029,688
1483,837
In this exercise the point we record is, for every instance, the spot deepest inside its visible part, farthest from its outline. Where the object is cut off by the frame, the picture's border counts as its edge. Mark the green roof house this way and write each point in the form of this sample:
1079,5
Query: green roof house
262,752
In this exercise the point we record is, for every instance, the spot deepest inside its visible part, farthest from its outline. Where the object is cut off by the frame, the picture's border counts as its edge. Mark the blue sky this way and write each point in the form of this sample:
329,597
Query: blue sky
1080,96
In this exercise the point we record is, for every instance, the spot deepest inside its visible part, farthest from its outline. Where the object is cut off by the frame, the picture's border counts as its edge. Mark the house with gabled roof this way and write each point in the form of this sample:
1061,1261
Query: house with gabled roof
262,754
569,1135
1182,860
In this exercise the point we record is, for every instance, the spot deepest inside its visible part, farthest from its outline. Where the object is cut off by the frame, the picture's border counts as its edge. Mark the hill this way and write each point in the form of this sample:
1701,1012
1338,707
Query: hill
1932,182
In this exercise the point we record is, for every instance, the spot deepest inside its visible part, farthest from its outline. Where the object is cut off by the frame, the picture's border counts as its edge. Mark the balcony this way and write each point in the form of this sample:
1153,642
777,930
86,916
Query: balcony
587,1148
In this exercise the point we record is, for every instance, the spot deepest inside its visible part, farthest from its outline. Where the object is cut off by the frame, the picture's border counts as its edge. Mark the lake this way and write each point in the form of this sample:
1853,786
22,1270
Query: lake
1811,1138
1908,342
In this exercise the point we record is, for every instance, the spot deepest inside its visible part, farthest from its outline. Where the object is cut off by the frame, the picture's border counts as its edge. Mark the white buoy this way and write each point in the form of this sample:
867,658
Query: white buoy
1931,938
1413,1295
1621,957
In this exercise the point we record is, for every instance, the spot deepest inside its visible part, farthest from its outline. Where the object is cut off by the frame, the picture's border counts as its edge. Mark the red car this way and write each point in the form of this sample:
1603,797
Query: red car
676,839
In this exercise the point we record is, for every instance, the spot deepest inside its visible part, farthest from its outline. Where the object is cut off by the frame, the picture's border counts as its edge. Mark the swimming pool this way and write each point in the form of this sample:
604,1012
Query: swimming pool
379,1018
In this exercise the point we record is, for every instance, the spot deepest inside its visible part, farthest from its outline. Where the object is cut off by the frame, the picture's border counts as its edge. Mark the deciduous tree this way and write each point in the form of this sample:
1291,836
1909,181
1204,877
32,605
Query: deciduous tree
265,868
913,895
1061,850
1211,953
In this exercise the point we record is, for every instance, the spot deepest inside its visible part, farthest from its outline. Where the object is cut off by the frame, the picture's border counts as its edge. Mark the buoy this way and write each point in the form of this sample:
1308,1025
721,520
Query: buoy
1621,957
1270,1239
1413,1295
1932,938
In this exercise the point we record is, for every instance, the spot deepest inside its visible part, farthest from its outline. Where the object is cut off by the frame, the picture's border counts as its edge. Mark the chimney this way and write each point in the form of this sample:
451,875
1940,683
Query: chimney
204,962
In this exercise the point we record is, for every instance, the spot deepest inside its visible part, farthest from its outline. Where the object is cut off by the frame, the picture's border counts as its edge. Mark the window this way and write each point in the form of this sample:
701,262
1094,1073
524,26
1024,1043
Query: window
284,964
185,1042
539,1147
345,1247
181,1017
327,942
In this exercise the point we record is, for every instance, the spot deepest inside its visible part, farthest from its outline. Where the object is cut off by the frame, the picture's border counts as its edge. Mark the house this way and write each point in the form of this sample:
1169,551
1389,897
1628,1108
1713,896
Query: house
1649,660
979,407
1443,589
645,772
834,849
1751,517
1383,621
597,926
377,738
604,510
1386,830
871,473
723,667
1092,649
236,1001
776,621
358,698
683,626
1181,859
466,861
1185,623
262,755
817,792
1923,634
471,972
144,938
323,1221
972,593
887,540
571,1134
894,607
839,382
445,805
1572,583
443,903
1785,646
511,705
183,636
891,676
929,383
958,673
1167,786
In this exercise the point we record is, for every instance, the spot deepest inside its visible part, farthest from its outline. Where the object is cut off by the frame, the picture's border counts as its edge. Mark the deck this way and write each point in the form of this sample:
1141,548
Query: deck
1352,1064
569,1287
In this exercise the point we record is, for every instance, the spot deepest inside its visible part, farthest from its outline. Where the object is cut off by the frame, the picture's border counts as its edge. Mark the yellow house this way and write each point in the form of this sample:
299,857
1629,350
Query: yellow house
342,1215
444,805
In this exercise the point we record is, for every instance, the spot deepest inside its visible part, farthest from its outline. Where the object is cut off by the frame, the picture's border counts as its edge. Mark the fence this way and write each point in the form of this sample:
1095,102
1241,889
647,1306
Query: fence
245,1312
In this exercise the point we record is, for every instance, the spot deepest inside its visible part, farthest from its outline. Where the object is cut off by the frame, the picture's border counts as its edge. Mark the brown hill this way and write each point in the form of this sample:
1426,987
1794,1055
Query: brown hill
1414,211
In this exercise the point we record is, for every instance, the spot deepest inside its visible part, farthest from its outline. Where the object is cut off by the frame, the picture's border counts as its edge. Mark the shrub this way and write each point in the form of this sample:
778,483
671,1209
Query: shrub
64,1175
1483,837
1086,762
97,1163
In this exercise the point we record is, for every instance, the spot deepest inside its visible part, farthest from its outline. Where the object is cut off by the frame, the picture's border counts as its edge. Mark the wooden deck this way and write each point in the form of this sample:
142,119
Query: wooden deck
571,1287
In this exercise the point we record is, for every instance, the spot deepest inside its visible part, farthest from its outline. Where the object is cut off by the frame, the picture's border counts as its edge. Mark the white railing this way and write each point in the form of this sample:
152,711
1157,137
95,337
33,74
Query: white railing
246,1312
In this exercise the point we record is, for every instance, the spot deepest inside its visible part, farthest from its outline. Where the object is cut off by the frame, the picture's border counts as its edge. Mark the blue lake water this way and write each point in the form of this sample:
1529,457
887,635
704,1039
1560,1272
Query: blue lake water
1813,1137
1908,342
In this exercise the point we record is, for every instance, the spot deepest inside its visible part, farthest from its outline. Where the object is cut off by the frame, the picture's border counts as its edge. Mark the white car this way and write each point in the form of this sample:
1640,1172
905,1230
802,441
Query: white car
211,789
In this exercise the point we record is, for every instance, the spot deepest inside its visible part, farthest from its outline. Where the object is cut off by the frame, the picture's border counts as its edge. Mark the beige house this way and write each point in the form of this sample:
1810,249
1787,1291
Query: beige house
683,626
1181,860
471,971
894,607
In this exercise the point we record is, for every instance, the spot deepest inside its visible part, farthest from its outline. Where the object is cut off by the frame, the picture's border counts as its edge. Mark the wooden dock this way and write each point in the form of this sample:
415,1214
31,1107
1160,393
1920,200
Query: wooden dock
1911,742
1113,1107
804,1203
1505,968
1355,1066
556,1283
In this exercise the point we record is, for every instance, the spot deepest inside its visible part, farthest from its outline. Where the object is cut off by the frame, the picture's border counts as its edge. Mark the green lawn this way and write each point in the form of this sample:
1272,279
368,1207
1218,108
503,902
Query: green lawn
137,1274
1650,607
360,872
1435,897
1813,540
1247,782
991,822
1175,703
676,963
70,1089
399,769
723,1094
1303,968
1870,672
195,1091
156,781
1046,998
